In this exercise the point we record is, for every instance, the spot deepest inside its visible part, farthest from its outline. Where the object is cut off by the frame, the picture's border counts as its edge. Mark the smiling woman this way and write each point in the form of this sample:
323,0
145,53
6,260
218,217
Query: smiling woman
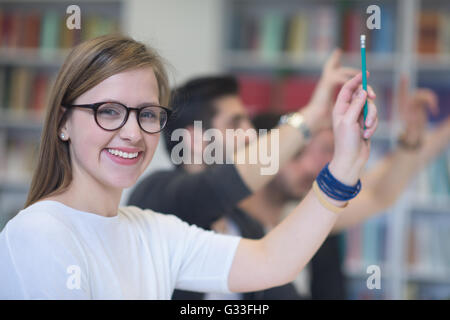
72,241
93,70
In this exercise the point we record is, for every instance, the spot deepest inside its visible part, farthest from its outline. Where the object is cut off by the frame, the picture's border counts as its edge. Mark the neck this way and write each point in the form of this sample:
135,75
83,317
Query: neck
194,168
89,195
265,206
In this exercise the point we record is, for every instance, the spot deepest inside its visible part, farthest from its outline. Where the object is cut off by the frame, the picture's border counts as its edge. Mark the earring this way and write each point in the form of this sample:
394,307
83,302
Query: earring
63,136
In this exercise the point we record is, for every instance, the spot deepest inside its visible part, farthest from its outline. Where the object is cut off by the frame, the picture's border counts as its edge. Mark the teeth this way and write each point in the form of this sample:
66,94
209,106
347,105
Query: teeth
122,154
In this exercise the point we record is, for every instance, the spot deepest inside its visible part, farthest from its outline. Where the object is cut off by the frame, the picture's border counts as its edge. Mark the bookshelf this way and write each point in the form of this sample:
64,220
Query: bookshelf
277,56
34,42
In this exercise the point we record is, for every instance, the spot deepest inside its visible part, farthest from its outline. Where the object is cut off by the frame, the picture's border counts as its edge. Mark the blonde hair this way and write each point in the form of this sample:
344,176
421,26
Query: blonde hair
87,65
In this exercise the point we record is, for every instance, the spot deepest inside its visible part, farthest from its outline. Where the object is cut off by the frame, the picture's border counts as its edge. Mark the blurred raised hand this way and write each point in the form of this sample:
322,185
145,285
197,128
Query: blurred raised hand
333,75
413,108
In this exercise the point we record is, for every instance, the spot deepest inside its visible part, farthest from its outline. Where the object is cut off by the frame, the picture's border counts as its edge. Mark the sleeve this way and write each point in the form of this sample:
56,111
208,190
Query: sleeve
201,259
38,260
199,198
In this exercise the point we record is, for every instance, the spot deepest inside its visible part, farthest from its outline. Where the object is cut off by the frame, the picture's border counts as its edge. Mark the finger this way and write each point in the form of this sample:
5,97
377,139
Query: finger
342,76
341,79
361,120
371,93
371,113
369,132
403,92
356,107
349,72
347,90
334,60
428,98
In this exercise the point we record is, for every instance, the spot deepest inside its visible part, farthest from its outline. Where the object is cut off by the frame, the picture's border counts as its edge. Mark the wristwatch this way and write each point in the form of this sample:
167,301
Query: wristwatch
297,121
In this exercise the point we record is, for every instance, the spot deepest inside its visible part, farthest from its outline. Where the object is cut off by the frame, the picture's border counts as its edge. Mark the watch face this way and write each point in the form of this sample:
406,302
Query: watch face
297,121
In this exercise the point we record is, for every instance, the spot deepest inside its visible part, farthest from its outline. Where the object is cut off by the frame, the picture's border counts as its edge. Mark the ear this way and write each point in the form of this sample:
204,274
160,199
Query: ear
63,132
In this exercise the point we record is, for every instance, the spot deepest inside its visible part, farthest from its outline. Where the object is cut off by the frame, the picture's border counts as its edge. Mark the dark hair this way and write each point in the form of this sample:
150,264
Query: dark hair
194,101
266,121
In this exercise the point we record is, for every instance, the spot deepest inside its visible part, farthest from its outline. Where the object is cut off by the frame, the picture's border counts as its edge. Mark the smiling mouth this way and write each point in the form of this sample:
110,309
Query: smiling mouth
122,154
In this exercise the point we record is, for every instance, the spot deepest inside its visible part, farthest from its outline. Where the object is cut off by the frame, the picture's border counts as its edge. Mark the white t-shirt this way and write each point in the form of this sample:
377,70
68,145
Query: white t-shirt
52,251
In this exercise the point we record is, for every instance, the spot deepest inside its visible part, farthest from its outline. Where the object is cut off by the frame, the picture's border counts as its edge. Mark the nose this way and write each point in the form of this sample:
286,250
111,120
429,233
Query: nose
131,130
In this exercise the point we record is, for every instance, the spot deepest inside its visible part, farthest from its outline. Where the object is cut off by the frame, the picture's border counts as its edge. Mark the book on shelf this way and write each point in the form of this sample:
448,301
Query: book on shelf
433,182
322,39
24,91
366,244
427,291
294,93
2,87
20,90
275,33
262,94
297,34
256,93
10,204
351,27
50,30
272,29
39,93
429,248
434,32
428,32
382,40
33,30
357,290
47,29
19,158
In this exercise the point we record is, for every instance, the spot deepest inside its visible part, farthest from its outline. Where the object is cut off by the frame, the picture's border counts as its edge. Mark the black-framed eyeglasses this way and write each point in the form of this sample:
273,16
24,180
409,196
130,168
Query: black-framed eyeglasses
112,116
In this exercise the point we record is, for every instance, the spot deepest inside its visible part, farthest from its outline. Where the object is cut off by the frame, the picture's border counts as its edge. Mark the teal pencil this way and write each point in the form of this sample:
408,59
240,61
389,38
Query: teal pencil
364,72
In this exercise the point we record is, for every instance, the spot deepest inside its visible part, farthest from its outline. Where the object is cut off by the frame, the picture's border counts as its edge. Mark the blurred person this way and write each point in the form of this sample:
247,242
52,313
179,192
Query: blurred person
383,184
192,191
72,241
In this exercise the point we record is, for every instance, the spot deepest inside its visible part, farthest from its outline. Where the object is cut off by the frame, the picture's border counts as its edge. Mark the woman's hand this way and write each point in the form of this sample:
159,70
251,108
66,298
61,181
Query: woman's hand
352,140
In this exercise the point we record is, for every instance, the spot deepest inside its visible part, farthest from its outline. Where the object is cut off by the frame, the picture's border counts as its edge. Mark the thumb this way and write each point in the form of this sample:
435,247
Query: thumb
334,60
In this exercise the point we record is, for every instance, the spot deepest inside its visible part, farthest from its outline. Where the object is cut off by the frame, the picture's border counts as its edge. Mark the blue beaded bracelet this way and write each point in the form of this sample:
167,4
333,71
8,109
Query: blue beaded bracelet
334,188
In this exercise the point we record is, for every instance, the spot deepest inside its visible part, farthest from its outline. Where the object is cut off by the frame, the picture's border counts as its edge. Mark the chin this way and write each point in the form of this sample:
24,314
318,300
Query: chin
122,182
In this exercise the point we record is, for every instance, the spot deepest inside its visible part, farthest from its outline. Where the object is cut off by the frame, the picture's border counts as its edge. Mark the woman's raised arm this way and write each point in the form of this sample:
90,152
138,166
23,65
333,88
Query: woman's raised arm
277,258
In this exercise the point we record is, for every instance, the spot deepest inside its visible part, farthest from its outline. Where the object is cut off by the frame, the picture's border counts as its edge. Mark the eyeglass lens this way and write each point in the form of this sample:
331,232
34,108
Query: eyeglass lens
110,116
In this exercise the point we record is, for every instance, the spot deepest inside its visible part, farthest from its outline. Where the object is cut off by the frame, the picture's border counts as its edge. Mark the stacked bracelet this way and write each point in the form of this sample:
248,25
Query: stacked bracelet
334,188
325,202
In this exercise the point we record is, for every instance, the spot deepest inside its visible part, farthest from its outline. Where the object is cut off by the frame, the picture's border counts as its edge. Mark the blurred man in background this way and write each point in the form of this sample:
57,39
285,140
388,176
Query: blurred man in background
191,190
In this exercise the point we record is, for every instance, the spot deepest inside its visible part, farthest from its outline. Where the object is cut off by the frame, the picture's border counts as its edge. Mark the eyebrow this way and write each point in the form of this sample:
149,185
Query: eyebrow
141,105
